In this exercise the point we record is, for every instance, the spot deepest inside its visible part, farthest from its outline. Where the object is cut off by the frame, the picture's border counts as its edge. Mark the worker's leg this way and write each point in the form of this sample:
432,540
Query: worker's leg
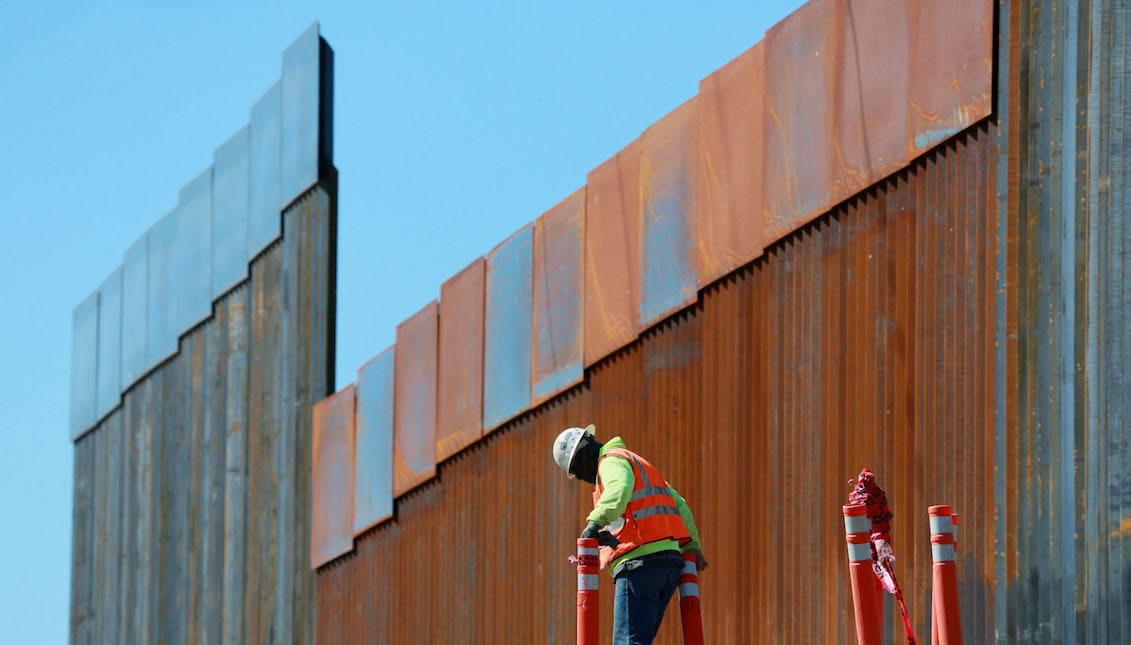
642,594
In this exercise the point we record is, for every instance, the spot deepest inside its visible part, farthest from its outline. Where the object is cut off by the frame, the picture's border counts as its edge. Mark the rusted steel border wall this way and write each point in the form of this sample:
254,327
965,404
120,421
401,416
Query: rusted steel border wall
192,487
864,338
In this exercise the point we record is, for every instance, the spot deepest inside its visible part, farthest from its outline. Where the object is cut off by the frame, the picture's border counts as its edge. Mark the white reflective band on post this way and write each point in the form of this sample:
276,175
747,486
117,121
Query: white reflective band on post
581,550
859,552
942,552
688,589
689,568
587,582
856,523
942,525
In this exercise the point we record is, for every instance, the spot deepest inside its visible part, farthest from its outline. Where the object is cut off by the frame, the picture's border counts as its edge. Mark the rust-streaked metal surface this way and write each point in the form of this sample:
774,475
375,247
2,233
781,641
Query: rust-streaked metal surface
135,311
84,365
192,498
373,453
192,269
414,453
332,467
729,220
507,329
559,273
459,412
862,339
163,292
612,254
108,390
669,161
229,212
264,174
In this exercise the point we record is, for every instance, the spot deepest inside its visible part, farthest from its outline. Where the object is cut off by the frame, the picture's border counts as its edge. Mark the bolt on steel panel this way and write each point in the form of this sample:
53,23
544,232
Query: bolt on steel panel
508,329
230,212
668,190
414,454
559,279
306,95
729,219
373,455
612,254
109,388
264,173
951,68
193,268
798,182
162,330
135,312
459,413
84,365
331,461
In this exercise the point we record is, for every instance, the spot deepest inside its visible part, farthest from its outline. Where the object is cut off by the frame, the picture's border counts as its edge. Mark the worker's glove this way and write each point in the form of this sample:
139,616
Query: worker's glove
604,538
590,531
884,555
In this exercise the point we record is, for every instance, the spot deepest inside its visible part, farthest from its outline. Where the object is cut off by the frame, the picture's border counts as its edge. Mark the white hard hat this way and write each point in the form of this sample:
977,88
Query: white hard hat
565,446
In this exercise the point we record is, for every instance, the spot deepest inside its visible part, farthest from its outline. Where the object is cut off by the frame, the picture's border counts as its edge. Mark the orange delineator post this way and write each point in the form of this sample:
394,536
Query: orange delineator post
588,584
934,618
857,529
689,614
945,621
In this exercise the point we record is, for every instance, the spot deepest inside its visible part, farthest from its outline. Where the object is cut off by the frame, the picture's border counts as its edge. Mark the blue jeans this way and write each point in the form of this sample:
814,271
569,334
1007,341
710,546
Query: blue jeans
641,598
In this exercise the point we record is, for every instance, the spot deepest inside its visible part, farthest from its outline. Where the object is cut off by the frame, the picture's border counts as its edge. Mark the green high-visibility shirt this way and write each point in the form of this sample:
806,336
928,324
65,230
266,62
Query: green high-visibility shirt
617,482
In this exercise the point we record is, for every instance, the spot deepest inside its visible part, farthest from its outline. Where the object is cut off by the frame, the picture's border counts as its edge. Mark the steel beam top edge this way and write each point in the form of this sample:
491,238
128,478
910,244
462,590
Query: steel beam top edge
84,364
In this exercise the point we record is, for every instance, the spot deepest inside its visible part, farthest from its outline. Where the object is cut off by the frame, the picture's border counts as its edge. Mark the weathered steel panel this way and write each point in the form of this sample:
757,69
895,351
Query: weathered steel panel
612,254
264,172
559,279
332,459
798,180
459,413
669,200
414,454
84,365
306,87
109,388
230,212
192,270
235,437
135,311
373,455
729,220
162,291
507,332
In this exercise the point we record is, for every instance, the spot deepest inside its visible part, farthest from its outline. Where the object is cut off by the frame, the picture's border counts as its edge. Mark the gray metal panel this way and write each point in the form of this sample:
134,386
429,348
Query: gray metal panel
161,330
194,252
264,218
229,212
84,365
301,115
108,393
135,287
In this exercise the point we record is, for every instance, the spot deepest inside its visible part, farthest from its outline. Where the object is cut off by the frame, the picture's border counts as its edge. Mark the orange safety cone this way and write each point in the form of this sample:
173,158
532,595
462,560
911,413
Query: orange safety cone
945,621
588,584
857,528
689,614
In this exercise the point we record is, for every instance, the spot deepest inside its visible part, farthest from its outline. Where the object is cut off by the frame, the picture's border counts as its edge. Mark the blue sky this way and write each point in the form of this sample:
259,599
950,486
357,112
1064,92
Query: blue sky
455,124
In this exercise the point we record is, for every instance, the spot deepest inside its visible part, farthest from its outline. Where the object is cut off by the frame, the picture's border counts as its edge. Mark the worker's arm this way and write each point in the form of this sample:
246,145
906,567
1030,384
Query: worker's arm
617,483
688,521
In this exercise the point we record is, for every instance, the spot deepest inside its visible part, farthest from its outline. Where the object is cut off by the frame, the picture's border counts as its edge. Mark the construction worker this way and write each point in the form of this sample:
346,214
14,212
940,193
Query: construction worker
641,524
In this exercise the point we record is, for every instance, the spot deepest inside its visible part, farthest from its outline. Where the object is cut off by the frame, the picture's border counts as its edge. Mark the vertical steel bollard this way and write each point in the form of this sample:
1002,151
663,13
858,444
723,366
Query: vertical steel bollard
689,614
588,584
857,530
945,621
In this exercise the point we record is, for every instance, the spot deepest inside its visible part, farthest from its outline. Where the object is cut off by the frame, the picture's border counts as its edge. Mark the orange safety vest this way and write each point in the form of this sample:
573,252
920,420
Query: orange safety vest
651,515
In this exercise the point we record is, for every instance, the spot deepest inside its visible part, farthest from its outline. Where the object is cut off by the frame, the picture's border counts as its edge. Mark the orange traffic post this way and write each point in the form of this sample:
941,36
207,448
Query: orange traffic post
588,584
945,621
857,528
689,614
954,532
